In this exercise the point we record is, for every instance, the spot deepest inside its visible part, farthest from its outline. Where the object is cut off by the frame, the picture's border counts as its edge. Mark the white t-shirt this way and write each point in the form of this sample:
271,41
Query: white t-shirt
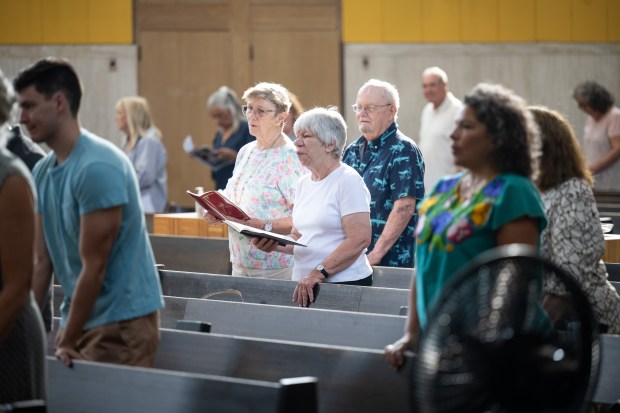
319,208
435,143
596,144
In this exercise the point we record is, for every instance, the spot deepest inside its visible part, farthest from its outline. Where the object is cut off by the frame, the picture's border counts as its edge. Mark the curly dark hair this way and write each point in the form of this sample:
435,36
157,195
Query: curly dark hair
595,96
51,75
516,143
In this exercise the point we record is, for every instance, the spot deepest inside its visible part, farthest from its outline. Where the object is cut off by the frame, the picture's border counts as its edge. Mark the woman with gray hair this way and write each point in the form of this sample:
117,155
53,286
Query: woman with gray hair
601,138
332,210
263,182
494,202
232,134
22,338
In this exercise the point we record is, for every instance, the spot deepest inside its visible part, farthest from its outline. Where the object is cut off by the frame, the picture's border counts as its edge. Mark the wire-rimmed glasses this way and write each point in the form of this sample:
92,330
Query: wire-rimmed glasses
369,109
258,112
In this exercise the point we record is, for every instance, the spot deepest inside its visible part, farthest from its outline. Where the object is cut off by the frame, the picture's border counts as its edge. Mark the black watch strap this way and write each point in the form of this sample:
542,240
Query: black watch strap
320,268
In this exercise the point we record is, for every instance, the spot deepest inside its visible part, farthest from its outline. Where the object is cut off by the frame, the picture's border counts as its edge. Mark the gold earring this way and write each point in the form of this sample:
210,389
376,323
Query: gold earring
278,124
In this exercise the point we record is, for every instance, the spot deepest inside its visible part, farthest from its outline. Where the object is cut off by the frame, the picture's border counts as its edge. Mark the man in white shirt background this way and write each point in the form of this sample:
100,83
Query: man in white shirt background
436,125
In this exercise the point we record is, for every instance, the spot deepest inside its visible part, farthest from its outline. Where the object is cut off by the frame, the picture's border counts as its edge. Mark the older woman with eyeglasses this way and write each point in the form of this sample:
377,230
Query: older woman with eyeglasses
263,182
332,210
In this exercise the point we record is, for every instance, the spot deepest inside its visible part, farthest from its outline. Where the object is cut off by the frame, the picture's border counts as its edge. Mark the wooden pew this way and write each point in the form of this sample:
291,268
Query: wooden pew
330,327
99,387
308,325
211,255
280,292
390,277
343,373
349,380
607,197
192,253
613,271
608,386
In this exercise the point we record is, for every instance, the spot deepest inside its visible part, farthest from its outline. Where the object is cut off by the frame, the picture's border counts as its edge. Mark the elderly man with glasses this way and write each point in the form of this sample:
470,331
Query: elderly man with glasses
393,169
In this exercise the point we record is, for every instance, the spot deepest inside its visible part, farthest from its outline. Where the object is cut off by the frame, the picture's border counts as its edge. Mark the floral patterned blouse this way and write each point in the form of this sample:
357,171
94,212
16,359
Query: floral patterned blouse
263,185
451,232
574,241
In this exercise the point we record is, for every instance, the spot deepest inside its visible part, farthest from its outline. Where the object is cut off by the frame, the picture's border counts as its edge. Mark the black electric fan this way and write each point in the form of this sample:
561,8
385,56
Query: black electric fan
498,340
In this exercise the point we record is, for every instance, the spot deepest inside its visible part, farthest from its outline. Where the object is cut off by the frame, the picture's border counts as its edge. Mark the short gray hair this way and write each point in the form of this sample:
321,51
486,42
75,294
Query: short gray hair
327,124
7,99
436,71
226,98
390,92
272,92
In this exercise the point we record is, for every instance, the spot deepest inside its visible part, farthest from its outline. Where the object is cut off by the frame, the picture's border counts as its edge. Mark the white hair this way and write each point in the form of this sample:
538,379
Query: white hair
438,72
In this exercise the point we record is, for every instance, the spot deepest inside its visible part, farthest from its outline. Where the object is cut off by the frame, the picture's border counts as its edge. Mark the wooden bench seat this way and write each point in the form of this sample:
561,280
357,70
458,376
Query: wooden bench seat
99,387
192,253
330,327
307,325
349,380
280,292
211,255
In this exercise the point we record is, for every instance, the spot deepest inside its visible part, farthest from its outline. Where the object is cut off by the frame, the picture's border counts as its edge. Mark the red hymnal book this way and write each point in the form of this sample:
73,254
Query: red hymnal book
218,205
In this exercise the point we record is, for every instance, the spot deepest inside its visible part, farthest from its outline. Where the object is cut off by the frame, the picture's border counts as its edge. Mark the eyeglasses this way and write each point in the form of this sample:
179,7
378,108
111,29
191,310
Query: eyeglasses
258,112
369,108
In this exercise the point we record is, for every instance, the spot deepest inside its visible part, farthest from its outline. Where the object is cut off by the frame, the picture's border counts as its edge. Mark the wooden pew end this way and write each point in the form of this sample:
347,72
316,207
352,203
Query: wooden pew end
299,388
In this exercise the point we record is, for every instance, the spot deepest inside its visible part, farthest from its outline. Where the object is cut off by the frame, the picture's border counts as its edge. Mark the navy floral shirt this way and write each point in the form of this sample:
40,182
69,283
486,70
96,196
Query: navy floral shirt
392,167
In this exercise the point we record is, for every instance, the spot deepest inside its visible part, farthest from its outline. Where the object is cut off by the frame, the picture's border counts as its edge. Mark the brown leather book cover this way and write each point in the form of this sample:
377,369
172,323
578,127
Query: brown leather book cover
218,205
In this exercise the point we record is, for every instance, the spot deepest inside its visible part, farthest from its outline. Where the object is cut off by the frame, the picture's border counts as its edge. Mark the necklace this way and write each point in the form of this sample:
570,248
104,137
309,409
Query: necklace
470,186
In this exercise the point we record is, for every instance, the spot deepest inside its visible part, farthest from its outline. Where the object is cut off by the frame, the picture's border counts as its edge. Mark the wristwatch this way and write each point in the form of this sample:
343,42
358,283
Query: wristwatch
320,268
268,226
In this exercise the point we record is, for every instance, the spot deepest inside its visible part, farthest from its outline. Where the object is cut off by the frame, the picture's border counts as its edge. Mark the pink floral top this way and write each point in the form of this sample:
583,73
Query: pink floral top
263,185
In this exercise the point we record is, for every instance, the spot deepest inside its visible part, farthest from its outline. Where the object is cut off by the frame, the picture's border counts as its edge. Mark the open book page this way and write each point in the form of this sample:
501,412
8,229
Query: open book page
205,154
259,233
218,205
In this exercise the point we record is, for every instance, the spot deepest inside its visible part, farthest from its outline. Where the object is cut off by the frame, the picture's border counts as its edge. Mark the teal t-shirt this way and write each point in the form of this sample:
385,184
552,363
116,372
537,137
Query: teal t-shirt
96,176
451,233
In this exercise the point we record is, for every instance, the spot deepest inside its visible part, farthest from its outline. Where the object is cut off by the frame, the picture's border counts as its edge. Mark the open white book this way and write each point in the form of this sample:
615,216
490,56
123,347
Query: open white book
259,233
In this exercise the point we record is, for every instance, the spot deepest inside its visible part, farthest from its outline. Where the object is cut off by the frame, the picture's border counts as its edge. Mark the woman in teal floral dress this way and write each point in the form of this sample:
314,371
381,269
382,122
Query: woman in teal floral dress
493,203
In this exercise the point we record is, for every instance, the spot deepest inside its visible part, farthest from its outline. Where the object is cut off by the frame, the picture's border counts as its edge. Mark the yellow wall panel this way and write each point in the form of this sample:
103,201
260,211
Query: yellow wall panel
479,21
441,21
110,21
20,21
553,20
362,21
402,20
613,21
589,21
516,21
65,21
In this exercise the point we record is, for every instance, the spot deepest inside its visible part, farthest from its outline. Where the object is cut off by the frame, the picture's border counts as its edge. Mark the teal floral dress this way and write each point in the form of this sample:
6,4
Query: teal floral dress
450,232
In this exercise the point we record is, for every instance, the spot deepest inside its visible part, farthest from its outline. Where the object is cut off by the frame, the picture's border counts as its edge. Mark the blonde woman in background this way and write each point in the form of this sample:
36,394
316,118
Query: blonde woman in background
145,150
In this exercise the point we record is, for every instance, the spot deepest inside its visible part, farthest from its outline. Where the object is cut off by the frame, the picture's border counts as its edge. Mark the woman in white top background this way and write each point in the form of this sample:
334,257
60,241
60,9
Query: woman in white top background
601,139
332,210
